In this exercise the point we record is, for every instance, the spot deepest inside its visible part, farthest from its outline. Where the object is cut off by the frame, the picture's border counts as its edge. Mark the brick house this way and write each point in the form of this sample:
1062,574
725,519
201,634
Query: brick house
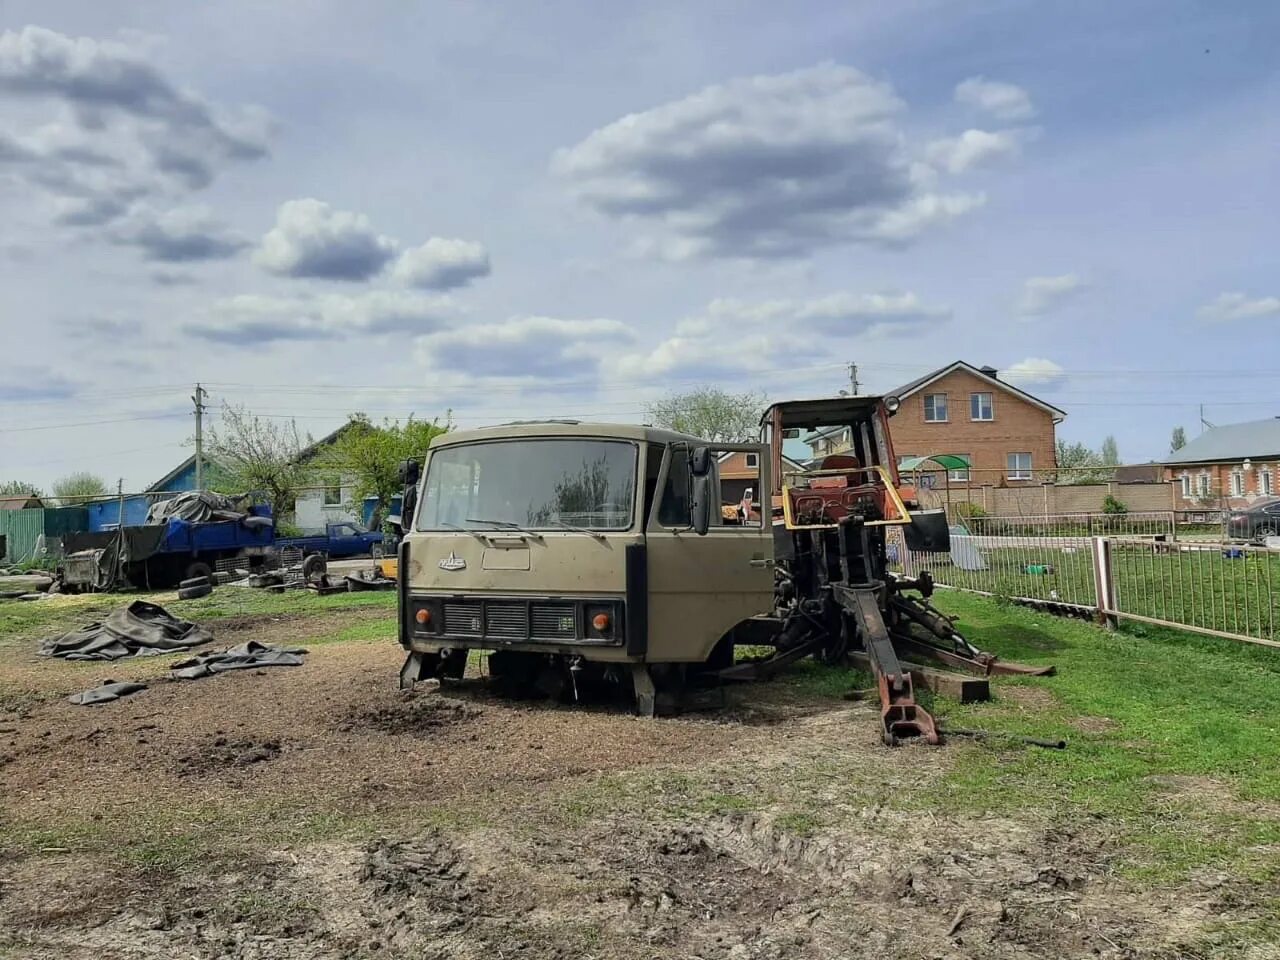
1228,466
739,470
1006,434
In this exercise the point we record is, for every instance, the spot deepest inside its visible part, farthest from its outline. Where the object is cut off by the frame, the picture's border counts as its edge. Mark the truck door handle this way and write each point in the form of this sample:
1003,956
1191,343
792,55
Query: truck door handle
761,563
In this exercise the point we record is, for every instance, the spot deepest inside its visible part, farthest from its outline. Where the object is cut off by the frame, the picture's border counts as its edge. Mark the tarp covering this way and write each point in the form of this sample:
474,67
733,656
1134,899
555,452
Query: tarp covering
198,506
139,630
108,691
246,656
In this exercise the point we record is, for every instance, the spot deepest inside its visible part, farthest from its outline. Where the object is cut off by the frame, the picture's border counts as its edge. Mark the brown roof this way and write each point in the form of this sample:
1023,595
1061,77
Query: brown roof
19,503
983,373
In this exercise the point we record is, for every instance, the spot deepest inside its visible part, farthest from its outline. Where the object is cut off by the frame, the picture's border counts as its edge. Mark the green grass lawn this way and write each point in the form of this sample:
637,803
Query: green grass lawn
1173,738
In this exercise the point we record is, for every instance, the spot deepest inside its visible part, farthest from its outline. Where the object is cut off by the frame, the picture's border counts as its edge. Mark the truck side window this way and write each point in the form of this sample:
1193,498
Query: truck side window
673,509
653,467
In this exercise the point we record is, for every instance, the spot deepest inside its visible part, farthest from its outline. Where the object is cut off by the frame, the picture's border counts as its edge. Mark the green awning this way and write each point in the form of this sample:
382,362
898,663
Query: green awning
947,461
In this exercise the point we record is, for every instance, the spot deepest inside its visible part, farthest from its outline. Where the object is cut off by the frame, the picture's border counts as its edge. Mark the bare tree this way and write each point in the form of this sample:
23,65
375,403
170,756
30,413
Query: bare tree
19,488
77,487
710,413
261,455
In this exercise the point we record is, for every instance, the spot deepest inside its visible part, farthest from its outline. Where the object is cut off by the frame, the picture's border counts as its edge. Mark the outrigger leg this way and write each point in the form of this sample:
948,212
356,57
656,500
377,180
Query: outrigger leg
900,716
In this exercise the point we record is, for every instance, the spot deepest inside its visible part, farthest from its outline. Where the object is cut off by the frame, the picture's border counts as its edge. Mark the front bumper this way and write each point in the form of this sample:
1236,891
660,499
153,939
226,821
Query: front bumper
496,622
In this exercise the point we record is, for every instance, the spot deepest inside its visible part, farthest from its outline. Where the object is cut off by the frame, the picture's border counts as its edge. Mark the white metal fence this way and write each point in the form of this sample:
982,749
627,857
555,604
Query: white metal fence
1130,567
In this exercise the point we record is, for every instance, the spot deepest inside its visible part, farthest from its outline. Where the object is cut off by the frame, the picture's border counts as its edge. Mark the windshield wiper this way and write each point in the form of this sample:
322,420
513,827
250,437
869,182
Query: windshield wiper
454,526
506,525
576,529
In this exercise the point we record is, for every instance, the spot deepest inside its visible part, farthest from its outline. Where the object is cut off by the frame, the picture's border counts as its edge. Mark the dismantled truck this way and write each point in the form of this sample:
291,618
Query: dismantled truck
585,555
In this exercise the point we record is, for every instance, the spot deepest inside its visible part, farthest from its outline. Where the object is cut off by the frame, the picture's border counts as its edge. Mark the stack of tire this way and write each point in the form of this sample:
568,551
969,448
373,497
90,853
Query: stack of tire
199,582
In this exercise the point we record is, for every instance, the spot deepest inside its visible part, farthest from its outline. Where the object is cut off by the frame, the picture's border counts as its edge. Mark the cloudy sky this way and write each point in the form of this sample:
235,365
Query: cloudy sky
517,210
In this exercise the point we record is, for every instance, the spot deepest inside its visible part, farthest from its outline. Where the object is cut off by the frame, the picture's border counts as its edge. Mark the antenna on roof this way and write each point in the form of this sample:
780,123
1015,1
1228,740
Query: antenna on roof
1203,422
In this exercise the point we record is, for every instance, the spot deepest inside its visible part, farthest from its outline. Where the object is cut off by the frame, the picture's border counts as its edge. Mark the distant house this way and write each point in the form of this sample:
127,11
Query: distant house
1231,466
740,470
328,495
1006,434
105,514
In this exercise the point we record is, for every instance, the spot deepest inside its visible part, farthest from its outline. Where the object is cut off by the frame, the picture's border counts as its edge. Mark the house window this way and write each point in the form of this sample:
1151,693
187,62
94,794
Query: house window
1202,485
1264,481
980,407
1019,464
1185,480
961,475
935,408
753,461
1237,483
332,493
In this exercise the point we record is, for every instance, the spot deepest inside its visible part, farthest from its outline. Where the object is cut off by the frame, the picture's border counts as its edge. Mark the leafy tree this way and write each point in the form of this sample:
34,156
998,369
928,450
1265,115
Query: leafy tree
77,487
710,413
16,488
1178,440
371,455
1110,452
258,455
1079,464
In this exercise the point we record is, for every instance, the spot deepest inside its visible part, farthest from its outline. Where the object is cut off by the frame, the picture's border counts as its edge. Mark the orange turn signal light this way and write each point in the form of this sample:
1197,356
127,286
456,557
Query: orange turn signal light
423,617
601,622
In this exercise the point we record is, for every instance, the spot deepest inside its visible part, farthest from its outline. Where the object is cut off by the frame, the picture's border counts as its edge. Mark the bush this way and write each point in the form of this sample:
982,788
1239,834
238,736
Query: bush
1114,507
968,510
286,529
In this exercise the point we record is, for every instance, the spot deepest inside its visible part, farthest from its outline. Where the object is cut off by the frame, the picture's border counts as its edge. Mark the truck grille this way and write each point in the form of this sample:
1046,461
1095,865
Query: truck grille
518,620
464,618
506,619
554,621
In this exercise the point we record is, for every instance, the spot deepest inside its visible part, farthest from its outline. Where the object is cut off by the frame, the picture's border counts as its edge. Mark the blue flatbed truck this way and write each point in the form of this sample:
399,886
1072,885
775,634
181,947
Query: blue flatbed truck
165,554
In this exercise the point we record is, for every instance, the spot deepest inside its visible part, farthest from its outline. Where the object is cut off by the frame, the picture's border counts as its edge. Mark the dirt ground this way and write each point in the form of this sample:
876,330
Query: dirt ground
318,812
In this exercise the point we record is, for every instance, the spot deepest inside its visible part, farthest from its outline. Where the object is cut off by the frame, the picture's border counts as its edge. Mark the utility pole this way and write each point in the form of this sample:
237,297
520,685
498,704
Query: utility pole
120,497
198,399
853,379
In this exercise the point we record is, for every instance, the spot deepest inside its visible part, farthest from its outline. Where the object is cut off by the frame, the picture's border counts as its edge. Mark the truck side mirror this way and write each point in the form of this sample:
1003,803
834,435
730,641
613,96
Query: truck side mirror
409,471
700,503
700,461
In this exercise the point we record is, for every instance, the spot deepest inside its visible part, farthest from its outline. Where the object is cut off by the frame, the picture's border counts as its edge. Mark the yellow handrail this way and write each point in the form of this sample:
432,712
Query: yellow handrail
904,516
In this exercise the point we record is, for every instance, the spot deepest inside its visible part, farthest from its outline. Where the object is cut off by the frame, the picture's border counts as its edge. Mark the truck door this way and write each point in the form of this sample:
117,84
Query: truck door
700,587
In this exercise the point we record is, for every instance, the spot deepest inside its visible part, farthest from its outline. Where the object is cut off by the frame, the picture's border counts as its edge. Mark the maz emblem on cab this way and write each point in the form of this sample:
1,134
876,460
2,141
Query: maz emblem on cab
453,562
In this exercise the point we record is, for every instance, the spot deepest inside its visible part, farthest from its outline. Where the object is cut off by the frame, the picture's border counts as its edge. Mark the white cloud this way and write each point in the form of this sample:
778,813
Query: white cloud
1042,294
179,235
735,335
972,148
440,264
311,239
1237,306
102,128
764,166
1005,101
250,320
538,347
1033,372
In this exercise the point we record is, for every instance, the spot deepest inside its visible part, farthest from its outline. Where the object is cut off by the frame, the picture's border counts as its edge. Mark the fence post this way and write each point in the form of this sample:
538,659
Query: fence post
1104,585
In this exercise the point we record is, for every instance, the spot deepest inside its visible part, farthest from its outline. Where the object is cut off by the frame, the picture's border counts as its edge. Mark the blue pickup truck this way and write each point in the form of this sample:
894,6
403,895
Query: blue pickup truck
339,541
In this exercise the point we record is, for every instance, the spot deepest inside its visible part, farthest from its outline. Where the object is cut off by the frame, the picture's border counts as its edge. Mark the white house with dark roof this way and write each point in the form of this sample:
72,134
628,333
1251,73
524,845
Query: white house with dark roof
1233,465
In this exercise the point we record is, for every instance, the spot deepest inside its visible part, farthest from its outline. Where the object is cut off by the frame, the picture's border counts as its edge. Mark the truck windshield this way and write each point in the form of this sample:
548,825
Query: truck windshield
551,484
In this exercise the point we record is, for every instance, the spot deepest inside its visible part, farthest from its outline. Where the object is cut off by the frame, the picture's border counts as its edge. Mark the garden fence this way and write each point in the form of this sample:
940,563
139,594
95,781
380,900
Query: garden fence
1129,567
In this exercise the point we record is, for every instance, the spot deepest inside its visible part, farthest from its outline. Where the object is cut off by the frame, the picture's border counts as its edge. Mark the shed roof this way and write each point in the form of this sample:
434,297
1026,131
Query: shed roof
20,503
1234,441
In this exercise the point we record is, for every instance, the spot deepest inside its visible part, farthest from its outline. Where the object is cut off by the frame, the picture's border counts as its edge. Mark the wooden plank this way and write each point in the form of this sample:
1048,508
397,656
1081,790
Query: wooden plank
954,685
